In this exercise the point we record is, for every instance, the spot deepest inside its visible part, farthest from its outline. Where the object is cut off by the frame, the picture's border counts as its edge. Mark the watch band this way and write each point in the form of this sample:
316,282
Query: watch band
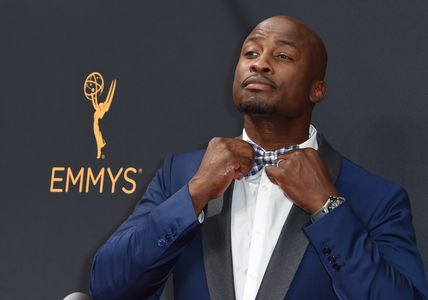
331,203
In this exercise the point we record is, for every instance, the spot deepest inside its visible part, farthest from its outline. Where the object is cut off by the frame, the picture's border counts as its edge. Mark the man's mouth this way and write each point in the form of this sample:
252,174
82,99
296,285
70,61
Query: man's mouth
258,83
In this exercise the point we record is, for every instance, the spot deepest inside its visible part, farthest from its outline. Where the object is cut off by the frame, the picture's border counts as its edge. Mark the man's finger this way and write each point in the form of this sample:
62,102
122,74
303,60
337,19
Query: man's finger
245,151
274,174
246,163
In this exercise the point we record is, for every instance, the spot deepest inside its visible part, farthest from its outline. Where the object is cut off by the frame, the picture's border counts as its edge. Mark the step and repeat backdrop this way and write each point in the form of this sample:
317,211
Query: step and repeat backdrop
94,95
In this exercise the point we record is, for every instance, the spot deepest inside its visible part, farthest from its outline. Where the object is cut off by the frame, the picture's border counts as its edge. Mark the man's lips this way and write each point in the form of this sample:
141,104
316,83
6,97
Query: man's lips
258,83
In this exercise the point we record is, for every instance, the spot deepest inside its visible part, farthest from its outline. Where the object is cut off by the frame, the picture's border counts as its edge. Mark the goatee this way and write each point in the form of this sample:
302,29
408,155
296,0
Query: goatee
255,106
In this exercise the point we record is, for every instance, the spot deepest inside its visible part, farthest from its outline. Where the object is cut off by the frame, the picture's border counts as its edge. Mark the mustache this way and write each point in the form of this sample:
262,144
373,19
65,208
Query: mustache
258,78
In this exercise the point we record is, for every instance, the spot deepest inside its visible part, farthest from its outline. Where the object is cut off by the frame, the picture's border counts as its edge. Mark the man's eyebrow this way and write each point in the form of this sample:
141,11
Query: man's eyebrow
253,38
285,43
256,38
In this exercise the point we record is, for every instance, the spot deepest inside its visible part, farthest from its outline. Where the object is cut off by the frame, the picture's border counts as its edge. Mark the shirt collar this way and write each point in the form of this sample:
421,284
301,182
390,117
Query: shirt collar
311,142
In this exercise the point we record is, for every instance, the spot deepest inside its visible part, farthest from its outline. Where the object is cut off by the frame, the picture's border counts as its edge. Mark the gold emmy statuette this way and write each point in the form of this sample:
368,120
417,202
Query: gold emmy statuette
93,88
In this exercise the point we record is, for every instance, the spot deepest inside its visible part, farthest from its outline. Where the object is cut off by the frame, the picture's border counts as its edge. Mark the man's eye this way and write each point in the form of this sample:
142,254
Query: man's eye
283,56
250,54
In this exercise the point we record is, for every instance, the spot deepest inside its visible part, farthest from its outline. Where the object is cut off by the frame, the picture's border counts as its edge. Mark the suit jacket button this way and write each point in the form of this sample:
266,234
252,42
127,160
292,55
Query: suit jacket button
332,259
161,243
326,251
336,267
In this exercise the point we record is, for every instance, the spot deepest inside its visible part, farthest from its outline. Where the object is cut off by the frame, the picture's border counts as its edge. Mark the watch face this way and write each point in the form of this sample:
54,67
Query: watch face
335,202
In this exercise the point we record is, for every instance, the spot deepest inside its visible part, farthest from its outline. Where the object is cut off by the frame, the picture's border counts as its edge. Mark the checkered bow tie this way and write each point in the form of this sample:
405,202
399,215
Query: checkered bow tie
264,158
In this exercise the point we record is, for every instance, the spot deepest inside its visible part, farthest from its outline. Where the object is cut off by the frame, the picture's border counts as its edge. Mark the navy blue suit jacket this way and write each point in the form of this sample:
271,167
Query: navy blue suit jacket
364,249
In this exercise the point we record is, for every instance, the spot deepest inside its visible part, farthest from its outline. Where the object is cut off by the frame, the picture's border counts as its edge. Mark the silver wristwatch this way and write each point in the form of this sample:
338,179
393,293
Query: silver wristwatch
332,203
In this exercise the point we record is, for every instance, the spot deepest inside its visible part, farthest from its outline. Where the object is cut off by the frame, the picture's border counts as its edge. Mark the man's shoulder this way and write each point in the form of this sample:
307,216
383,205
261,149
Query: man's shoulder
368,192
186,158
187,162
358,175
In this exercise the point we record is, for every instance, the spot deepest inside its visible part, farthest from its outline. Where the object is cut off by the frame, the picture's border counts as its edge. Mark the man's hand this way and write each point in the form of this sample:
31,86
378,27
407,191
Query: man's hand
225,159
304,178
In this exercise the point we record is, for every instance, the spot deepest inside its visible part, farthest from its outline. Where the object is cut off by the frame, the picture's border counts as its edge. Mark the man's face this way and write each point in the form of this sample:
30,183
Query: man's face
274,74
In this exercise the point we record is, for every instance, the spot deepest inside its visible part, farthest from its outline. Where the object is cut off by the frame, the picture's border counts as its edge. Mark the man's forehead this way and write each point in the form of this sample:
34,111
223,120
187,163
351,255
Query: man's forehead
281,28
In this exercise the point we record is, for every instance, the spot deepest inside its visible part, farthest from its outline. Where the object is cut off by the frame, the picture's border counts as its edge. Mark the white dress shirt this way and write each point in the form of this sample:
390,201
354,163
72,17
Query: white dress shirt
259,210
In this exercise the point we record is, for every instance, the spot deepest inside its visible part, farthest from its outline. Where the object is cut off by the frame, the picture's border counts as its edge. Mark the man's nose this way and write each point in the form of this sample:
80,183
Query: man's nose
261,65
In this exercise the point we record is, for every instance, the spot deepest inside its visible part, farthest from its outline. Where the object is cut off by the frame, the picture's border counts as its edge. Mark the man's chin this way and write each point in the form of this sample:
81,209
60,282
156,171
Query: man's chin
256,106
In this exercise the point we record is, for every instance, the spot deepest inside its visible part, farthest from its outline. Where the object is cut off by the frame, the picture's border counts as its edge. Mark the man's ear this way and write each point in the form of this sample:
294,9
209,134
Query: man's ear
318,91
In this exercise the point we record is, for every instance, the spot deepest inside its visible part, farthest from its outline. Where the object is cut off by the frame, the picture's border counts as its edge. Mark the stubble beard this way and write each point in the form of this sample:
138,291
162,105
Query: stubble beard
255,105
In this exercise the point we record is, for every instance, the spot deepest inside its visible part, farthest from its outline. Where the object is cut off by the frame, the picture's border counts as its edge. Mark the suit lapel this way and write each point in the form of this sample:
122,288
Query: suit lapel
292,241
286,256
217,248
331,158
288,252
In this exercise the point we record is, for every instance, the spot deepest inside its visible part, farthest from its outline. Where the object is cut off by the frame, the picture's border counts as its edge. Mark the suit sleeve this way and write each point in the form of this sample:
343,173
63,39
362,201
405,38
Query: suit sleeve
138,258
375,261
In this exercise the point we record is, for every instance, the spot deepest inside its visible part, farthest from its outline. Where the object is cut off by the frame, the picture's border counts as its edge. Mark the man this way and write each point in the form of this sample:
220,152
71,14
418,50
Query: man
274,214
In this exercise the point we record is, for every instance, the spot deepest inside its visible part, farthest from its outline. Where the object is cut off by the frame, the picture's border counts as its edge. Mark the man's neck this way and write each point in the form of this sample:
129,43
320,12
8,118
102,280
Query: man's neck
272,134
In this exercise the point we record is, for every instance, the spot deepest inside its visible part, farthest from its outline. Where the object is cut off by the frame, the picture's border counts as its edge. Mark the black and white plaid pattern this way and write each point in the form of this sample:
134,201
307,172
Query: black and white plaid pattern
264,158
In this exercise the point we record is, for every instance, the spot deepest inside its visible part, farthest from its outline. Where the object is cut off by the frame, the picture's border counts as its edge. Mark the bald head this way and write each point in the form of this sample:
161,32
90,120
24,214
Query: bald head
302,34
280,71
